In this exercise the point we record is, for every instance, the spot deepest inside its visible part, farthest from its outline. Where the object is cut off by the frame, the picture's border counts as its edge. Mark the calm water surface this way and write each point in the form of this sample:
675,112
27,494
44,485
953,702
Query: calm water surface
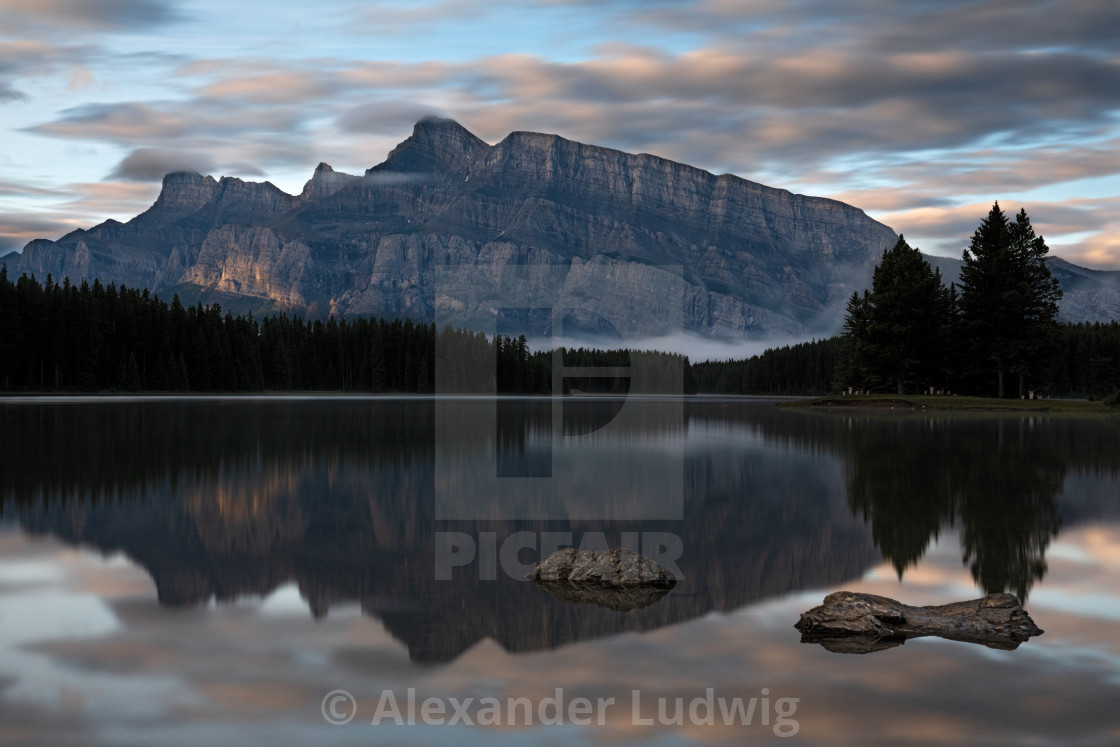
207,571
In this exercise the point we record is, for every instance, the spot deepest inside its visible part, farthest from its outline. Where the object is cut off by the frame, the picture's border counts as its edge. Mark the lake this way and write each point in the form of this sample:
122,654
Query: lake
292,570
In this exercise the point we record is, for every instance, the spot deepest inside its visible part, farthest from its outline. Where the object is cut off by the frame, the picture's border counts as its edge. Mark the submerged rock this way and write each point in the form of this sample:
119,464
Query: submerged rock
621,580
852,623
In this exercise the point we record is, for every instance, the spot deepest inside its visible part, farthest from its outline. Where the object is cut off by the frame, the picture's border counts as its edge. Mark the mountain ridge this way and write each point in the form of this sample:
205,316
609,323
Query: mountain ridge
633,236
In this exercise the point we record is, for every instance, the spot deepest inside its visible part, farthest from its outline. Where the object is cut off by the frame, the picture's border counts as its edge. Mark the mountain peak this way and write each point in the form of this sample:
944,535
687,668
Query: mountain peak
437,145
185,176
432,120
325,181
184,192
236,184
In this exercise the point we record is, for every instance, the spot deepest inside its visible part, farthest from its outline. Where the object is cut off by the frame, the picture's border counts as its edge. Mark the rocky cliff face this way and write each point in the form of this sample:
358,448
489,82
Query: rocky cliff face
639,239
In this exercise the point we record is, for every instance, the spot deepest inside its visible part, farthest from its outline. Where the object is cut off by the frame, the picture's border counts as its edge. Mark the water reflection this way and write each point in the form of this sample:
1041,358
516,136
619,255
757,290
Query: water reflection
223,500
994,478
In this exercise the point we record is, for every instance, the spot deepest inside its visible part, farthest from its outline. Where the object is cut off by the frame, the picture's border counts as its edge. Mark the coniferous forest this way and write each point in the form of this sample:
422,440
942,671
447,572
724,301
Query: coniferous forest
1086,363
95,338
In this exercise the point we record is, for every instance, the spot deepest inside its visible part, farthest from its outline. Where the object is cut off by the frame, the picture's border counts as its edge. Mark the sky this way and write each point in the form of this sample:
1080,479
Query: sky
921,113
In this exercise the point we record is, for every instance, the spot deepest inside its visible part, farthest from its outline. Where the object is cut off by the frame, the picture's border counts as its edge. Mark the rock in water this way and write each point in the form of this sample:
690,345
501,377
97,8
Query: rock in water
853,623
620,580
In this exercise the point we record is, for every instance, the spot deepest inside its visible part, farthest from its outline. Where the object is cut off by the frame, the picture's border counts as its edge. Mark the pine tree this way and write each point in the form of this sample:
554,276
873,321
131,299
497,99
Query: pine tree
898,331
907,316
855,364
1008,299
10,346
131,376
1039,297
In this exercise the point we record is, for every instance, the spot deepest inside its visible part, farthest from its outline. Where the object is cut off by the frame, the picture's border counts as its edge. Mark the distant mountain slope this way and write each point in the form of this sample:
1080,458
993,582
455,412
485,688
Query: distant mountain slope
1087,295
755,260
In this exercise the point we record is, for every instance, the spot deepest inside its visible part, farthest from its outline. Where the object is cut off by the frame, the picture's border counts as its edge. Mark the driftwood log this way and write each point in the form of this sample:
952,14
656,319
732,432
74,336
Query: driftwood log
621,580
853,623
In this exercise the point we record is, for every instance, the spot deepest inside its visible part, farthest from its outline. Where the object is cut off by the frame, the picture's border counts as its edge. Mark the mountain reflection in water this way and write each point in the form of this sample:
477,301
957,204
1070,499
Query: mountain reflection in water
221,499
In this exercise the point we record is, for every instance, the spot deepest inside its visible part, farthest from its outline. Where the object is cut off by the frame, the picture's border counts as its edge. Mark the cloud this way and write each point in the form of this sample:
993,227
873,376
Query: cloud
88,14
80,79
1093,220
76,205
7,93
891,27
909,111
25,59
743,111
1099,218
891,199
401,17
273,87
386,117
152,164
96,200
956,222
161,122
239,137
786,109
1101,251
809,105
114,122
25,189
168,122
993,171
696,347
16,229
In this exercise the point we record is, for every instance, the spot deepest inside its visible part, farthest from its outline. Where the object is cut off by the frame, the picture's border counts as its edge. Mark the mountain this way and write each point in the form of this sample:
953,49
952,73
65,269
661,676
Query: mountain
1087,295
638,245
745,258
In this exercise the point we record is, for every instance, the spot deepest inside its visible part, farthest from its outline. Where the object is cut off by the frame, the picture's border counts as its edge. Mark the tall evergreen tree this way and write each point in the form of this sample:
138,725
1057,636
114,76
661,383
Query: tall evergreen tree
1039,296
855,367
898,331
1008,299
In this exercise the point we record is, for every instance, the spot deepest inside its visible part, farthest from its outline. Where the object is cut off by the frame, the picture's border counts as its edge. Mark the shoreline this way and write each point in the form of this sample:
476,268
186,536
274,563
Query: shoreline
948,403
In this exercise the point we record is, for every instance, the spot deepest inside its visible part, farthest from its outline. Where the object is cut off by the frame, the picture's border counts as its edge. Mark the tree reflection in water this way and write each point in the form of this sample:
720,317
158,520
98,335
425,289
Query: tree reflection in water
996,478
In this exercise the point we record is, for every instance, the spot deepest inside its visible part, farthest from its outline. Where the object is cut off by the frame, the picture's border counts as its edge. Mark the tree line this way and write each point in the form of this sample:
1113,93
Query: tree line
92,337
804,368
1085,362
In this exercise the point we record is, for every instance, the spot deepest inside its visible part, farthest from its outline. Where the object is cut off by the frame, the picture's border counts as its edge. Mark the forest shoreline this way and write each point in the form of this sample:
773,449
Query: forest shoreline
952,402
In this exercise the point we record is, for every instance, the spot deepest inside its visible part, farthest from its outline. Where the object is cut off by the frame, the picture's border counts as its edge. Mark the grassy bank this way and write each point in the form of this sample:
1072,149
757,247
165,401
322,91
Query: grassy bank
940,402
